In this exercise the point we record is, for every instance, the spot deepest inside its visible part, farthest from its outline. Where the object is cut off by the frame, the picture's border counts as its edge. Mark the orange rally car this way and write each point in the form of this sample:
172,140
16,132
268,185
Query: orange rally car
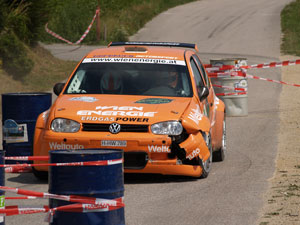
154,100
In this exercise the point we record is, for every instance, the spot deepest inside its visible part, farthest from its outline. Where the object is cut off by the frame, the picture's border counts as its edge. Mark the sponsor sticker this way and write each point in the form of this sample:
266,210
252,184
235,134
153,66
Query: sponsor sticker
196,115
116,111
95,118
241,84
84,99
154,101
110,143
13,132
2,206
159,149
194,153
64,146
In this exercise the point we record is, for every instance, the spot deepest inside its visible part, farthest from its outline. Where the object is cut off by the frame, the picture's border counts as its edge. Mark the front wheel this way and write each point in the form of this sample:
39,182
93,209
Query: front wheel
206,166
219,155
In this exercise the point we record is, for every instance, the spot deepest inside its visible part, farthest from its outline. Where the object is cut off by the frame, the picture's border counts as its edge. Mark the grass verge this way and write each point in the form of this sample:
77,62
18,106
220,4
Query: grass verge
47,71
290,25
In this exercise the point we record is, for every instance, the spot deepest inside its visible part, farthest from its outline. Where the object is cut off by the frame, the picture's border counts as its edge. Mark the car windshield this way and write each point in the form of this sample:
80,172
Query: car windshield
131,79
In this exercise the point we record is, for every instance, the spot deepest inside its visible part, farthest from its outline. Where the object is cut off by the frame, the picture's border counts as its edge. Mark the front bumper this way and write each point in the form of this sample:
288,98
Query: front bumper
143,153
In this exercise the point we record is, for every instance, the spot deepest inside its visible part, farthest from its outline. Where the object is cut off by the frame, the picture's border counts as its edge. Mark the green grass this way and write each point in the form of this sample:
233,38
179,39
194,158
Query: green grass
290,25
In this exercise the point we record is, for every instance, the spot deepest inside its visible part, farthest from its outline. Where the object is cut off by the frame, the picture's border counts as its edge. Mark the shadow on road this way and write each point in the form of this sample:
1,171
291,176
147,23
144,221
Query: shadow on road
155,178
25,178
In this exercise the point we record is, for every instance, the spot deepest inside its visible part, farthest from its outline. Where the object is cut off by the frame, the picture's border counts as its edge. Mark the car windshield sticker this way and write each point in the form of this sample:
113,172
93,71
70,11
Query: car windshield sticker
154,101
156,57
84,99
113,56
134,60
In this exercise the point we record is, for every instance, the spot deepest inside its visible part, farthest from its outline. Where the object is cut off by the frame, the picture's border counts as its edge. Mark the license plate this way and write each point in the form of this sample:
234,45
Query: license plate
114,143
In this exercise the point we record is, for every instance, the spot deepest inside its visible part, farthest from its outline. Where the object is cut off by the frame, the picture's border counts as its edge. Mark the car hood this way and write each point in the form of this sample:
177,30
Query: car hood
120,109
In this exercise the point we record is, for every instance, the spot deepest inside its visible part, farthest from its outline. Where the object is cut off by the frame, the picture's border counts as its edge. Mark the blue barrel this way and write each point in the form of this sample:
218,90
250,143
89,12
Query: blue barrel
93,181
19,114
2,183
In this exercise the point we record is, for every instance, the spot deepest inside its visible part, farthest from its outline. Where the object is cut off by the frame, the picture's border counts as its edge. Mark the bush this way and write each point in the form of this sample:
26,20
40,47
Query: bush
27,18
119,34
14,56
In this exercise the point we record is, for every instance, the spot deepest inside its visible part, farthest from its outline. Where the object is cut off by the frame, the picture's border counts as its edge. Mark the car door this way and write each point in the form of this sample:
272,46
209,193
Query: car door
210,99
200,83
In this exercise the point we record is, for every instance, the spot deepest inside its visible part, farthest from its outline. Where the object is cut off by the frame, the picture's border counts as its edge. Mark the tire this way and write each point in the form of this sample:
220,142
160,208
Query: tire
219,155
40,175
206,166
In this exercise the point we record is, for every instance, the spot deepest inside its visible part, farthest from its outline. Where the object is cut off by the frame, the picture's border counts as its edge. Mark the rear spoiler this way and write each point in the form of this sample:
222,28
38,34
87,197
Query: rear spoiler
165,44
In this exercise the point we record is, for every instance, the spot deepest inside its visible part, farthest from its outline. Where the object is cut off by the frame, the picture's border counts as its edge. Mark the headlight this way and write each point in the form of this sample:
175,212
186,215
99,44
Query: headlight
167,127
65,125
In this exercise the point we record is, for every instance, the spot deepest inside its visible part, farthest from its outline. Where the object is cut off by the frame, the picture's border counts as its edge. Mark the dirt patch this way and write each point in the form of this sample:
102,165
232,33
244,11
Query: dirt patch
282,202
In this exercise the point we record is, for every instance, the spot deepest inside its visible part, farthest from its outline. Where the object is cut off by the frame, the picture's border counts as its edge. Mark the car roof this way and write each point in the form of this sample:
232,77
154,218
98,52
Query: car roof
140,50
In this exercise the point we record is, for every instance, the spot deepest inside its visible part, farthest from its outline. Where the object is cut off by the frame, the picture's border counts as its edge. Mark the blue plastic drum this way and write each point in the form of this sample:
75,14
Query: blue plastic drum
93,181
2,183
19,114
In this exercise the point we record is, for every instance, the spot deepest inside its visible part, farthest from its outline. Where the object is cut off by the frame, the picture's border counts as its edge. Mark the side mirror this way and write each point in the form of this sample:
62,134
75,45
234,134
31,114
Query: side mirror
57,89
203,93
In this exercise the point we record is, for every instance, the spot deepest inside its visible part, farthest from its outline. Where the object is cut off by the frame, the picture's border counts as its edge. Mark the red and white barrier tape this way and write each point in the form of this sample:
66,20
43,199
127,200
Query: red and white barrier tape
230,88
274,81
230,94
27,158
20,198
18,169
273,64
90,163
70,198
234,74
80,39
17,210
211,68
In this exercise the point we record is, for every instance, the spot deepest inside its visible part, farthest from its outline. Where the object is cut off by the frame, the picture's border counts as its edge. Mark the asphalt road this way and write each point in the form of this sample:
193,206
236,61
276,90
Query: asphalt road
232,194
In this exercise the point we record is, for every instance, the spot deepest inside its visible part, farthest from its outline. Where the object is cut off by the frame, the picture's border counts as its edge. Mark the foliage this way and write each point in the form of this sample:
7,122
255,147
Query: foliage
14,56
290,24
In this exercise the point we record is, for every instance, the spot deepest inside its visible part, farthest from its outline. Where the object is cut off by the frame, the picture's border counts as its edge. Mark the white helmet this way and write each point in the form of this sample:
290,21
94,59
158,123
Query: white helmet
111,83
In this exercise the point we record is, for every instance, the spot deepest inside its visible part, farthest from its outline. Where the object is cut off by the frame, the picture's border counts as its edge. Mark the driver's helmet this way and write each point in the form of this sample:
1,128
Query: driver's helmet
111,83
169,78
173,78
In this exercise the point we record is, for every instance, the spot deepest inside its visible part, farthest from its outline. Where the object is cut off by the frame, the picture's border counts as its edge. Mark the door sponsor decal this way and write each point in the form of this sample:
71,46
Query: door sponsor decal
196,115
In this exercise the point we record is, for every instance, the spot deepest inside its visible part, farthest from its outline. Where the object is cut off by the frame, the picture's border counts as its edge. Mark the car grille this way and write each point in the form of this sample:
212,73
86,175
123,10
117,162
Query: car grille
99,127
135,160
